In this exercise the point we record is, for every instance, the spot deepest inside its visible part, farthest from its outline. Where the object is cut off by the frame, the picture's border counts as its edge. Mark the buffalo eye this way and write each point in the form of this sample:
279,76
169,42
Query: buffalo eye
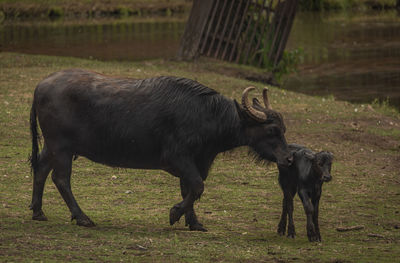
272,131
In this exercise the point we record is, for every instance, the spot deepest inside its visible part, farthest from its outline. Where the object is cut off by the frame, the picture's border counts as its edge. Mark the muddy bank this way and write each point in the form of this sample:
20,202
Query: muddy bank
91,9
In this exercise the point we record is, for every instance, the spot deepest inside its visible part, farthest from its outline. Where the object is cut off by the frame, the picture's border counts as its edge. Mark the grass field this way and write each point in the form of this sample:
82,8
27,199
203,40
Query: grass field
72,9
242,200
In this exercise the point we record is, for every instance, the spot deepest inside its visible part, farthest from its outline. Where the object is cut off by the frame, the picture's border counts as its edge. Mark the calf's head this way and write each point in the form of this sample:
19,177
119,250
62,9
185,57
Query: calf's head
321,164
264,129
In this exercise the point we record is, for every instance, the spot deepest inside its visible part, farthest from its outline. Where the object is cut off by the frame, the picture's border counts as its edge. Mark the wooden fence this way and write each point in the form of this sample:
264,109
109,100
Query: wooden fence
251,32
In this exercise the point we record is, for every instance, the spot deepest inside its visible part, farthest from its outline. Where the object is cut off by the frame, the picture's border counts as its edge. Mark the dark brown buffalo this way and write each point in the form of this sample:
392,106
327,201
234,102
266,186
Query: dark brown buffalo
168,123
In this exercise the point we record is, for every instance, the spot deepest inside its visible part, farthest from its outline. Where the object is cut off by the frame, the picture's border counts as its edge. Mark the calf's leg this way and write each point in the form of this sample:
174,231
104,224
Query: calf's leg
291,230
315,201
309,210
289,191
61,177
39,179
282,222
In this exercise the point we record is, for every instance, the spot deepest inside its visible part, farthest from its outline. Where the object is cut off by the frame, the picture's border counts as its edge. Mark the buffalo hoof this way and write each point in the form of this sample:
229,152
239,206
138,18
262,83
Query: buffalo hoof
39,216
197,227
84,221
281,231
174,215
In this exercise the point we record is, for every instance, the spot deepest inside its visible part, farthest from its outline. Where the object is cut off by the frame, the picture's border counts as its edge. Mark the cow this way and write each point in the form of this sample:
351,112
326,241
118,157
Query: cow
168,123
304,176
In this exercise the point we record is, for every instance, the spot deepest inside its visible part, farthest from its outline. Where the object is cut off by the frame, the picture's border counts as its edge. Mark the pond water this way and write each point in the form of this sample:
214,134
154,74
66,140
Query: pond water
352,56
129,39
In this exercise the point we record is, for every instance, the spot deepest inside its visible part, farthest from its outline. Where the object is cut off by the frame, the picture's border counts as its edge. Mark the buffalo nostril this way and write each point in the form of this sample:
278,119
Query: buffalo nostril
327,178
290,159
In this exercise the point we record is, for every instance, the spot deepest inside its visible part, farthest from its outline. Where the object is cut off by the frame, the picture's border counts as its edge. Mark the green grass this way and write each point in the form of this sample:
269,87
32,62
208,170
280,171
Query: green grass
56,9
242,200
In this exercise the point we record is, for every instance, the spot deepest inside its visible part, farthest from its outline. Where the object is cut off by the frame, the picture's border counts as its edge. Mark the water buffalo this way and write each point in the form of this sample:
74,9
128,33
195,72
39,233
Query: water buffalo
305,176
168,123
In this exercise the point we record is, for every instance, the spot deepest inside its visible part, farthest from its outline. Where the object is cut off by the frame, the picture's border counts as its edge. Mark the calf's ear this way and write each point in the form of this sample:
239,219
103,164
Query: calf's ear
309,156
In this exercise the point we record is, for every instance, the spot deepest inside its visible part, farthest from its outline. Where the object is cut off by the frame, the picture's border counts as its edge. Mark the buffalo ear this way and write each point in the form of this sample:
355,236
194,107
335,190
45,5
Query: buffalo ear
256,103
240,110
244,115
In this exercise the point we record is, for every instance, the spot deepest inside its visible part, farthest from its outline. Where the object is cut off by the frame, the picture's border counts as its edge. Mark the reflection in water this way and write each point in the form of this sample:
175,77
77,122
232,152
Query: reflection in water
354,57
107,41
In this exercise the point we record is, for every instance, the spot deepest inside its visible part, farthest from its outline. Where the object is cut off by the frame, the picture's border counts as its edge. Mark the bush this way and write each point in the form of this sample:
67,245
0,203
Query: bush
55,12
2,16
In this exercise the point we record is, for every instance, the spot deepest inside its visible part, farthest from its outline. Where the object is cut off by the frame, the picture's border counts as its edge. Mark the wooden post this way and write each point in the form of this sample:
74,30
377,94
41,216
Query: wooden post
189,47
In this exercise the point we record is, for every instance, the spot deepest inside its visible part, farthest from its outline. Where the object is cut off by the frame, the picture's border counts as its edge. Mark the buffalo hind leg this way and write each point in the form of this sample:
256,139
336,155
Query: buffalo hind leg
39,180
192,189
190,215
61,177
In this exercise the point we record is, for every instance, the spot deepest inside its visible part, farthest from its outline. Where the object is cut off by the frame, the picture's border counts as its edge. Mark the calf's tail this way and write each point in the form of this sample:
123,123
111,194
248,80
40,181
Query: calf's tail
34,158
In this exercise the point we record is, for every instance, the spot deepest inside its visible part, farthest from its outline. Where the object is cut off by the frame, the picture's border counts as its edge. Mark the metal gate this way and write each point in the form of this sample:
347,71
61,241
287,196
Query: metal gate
251,32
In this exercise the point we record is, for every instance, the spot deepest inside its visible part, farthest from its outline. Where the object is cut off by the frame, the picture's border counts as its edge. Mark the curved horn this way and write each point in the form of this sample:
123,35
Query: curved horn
255,114
266,101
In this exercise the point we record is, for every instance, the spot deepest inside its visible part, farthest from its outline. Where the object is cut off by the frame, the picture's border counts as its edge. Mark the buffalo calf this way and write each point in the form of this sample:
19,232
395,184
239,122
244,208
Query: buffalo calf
305,176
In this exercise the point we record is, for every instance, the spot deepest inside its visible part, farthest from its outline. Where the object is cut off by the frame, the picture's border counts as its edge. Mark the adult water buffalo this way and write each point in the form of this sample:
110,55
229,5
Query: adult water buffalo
168,123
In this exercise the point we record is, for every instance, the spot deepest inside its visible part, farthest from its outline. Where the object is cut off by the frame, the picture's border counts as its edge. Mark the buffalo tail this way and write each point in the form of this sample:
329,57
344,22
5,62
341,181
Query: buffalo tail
34,158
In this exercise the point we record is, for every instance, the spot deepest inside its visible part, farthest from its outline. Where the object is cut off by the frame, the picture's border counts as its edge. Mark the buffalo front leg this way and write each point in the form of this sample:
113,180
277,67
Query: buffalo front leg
190,215
61,177
39,179
192,187
309,210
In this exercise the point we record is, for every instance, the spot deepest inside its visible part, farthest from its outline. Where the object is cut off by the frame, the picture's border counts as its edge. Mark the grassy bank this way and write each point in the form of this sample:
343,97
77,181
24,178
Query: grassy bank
242,200
24,9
